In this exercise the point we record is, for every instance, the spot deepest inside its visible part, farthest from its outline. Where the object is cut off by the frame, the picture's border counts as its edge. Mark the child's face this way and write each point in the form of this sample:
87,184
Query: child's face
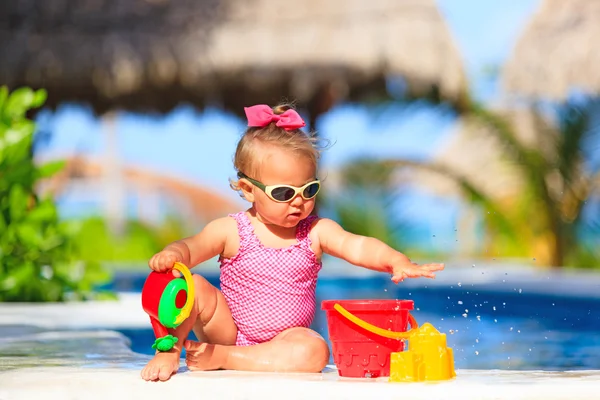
278,166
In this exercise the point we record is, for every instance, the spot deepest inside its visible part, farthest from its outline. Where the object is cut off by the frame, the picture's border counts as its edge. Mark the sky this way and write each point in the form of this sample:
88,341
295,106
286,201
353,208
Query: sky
199,146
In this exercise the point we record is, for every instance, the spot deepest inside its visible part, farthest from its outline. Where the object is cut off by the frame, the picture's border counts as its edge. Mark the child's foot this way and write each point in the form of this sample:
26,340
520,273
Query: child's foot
161,367
204,356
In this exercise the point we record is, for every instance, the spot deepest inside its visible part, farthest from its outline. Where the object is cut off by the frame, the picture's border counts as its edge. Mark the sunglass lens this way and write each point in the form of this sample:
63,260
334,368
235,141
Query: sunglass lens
311,190
282,193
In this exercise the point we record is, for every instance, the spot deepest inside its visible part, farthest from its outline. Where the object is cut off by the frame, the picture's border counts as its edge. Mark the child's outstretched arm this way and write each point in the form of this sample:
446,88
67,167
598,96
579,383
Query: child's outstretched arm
369,252
193,250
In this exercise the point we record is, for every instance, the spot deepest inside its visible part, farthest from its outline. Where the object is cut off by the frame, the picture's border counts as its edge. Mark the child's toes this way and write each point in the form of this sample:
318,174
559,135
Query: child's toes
153,373
146,373
165,372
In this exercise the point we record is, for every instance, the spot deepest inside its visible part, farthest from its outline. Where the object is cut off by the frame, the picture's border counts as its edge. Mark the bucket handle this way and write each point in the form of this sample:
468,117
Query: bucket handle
375,329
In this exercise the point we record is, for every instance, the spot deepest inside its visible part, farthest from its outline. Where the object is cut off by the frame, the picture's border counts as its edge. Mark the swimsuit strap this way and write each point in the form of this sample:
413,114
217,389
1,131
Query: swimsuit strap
245,230
303,231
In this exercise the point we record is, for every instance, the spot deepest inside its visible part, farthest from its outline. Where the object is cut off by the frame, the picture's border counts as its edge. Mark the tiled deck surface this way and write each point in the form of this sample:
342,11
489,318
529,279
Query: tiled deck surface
64,351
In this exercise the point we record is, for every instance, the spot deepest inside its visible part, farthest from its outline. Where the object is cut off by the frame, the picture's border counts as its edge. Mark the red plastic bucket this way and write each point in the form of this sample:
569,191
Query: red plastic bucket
357,352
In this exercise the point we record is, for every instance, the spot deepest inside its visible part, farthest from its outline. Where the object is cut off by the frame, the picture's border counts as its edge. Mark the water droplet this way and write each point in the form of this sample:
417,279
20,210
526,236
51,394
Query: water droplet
476,353
465,315
511,328
494,308
459,284
520,290
479,318
460,302
495,320
477,340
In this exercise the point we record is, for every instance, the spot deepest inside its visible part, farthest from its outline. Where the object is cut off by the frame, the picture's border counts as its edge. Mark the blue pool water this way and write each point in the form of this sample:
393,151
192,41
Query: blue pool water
488,329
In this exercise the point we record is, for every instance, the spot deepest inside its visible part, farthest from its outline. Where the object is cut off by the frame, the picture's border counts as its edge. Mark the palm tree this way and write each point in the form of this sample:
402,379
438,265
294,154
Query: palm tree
551,176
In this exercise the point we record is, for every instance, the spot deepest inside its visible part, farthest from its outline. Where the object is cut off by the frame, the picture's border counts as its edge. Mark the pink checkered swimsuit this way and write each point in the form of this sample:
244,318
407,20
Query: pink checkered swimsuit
269,290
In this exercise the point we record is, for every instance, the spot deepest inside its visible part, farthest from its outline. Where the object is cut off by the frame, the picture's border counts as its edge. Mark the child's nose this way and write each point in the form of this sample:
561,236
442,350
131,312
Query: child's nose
297,200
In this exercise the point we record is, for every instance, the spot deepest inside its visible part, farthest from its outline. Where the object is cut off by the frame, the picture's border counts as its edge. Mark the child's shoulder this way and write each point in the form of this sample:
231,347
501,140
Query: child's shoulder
223,224
323,225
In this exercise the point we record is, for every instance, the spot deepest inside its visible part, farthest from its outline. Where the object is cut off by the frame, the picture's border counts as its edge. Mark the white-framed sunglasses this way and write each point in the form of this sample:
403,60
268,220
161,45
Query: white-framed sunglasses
285,193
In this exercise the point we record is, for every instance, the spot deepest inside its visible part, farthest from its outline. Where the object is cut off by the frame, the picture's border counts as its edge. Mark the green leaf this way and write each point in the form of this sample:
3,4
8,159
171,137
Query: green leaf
2,223
49,169
16,142
44,212
18,103
3,97
29,234
17,202
39,98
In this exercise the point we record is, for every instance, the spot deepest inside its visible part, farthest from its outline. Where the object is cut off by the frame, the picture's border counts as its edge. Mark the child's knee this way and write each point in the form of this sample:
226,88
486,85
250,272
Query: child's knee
312,354
205,293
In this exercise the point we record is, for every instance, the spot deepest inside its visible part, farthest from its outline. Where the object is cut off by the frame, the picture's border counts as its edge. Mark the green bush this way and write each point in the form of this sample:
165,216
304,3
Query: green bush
38,256
134,248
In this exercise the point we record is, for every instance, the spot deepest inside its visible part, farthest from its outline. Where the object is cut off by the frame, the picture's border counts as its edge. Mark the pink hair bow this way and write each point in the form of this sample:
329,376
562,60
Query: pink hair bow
262,115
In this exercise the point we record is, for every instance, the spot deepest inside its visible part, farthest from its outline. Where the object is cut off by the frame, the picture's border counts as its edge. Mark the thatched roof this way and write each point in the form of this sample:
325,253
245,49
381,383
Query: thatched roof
155,54
474,153
558,51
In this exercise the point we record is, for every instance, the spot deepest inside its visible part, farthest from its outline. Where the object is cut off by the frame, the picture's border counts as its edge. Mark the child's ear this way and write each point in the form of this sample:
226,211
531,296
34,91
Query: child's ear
247,190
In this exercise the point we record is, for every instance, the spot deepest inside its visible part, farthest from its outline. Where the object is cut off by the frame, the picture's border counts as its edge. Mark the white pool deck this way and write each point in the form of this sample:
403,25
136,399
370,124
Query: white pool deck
65,351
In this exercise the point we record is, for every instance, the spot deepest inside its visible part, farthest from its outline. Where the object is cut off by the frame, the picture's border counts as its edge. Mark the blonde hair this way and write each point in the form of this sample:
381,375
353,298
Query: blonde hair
295,141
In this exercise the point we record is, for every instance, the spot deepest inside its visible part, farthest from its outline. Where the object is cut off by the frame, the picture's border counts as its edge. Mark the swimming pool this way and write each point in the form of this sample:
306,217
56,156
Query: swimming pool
489,327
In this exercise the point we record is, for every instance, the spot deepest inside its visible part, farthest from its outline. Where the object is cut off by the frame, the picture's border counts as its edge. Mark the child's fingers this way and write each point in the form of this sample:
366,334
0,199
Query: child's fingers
434,266
421,272
397,278
152,262
165,262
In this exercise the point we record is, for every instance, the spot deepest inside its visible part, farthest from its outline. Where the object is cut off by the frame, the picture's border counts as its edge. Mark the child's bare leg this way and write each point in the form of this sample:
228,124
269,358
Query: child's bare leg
294,350
211,320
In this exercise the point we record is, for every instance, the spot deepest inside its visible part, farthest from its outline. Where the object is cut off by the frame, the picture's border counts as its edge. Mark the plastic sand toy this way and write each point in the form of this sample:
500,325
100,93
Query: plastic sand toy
368,337
168,301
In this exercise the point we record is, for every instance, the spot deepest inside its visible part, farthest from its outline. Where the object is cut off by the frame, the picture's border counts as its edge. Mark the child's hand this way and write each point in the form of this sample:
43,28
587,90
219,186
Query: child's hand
164,260
413,270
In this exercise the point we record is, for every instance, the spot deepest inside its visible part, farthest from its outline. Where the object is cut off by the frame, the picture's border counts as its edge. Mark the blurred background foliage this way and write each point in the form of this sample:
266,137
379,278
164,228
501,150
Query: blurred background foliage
39,258
556,174
96,241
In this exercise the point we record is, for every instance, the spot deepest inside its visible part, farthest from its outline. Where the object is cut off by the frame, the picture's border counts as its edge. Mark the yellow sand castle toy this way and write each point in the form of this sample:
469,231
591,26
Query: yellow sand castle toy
427,359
